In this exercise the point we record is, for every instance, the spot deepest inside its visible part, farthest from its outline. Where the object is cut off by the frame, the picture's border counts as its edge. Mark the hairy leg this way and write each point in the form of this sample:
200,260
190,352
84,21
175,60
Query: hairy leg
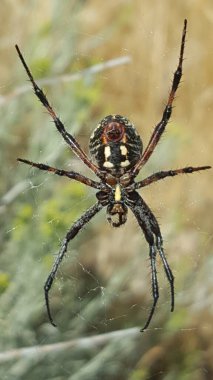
151,230
169,173
160,127
77,226
70,174
70,140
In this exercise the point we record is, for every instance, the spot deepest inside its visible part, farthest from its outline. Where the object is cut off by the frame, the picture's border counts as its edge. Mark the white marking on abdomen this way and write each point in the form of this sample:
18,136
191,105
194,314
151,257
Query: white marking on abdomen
107,151
125,163
108,164
123,150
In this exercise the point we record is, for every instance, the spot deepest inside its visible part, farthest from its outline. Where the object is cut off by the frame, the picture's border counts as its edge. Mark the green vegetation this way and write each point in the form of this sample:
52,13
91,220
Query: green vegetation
104,282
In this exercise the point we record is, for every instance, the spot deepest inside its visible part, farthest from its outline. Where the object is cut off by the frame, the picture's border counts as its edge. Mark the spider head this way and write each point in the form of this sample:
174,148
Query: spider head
115,145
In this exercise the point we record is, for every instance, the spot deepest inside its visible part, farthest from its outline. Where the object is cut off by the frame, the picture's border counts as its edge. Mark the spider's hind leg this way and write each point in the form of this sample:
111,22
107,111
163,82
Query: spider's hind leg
169,274
151,230
76,227
155,290
159,245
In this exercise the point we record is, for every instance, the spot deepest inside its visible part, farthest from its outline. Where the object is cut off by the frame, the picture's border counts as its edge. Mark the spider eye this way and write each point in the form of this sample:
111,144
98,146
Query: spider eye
114,131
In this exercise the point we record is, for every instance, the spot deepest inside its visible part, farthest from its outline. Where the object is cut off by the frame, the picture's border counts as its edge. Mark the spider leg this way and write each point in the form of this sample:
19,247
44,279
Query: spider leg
169,173
169,274
155,290
70,140
160,127
151,230
70,174
77,226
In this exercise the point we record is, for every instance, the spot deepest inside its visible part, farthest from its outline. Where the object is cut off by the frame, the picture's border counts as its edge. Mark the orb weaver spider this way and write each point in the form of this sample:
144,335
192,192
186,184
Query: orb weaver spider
117,158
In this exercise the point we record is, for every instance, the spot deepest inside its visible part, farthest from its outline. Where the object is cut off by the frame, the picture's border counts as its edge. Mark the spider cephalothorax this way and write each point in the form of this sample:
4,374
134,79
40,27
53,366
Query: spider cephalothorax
116,149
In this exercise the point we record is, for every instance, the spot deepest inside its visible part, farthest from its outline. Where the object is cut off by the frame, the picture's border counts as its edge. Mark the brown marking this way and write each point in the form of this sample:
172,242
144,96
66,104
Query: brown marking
104,140
124,139
110,180
51,112
117,209
125,179
171,98
114,131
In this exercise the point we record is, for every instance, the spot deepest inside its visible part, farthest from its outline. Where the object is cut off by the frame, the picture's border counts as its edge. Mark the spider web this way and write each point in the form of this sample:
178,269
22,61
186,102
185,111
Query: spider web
103,285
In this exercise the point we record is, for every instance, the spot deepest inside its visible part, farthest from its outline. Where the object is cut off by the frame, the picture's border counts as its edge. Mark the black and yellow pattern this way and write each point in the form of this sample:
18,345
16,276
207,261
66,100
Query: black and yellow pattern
115,145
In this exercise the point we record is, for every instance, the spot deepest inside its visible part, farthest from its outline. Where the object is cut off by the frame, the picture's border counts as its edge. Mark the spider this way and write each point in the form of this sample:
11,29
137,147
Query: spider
117,158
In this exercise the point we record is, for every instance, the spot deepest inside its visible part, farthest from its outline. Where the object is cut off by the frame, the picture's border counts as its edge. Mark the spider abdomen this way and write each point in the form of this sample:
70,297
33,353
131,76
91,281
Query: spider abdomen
115,145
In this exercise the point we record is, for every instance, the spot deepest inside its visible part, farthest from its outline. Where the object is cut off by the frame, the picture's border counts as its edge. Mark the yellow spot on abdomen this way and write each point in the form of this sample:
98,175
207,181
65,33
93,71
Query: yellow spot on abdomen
123,150
107,152
108,164
117,193
125,163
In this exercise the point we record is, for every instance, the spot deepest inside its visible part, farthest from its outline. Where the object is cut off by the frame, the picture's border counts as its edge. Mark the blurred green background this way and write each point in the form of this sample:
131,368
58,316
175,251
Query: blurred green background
104,282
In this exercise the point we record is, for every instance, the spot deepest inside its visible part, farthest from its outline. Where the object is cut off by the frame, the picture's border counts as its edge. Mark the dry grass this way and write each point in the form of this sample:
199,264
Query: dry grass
150,32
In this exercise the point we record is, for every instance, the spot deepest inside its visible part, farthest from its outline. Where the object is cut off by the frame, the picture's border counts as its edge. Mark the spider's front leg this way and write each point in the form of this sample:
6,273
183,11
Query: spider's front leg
151,230
77,226
160,127
70,140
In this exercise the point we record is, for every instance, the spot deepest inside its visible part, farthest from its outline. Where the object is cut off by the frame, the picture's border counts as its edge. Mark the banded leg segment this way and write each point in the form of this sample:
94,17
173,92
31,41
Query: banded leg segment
160,127
70,174
59,125
169,173
77,226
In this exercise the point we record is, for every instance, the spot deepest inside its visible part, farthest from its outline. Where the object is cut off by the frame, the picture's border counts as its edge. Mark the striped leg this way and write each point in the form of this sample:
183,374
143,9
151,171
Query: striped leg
160,127
70,174
77,226
70,140
169,173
